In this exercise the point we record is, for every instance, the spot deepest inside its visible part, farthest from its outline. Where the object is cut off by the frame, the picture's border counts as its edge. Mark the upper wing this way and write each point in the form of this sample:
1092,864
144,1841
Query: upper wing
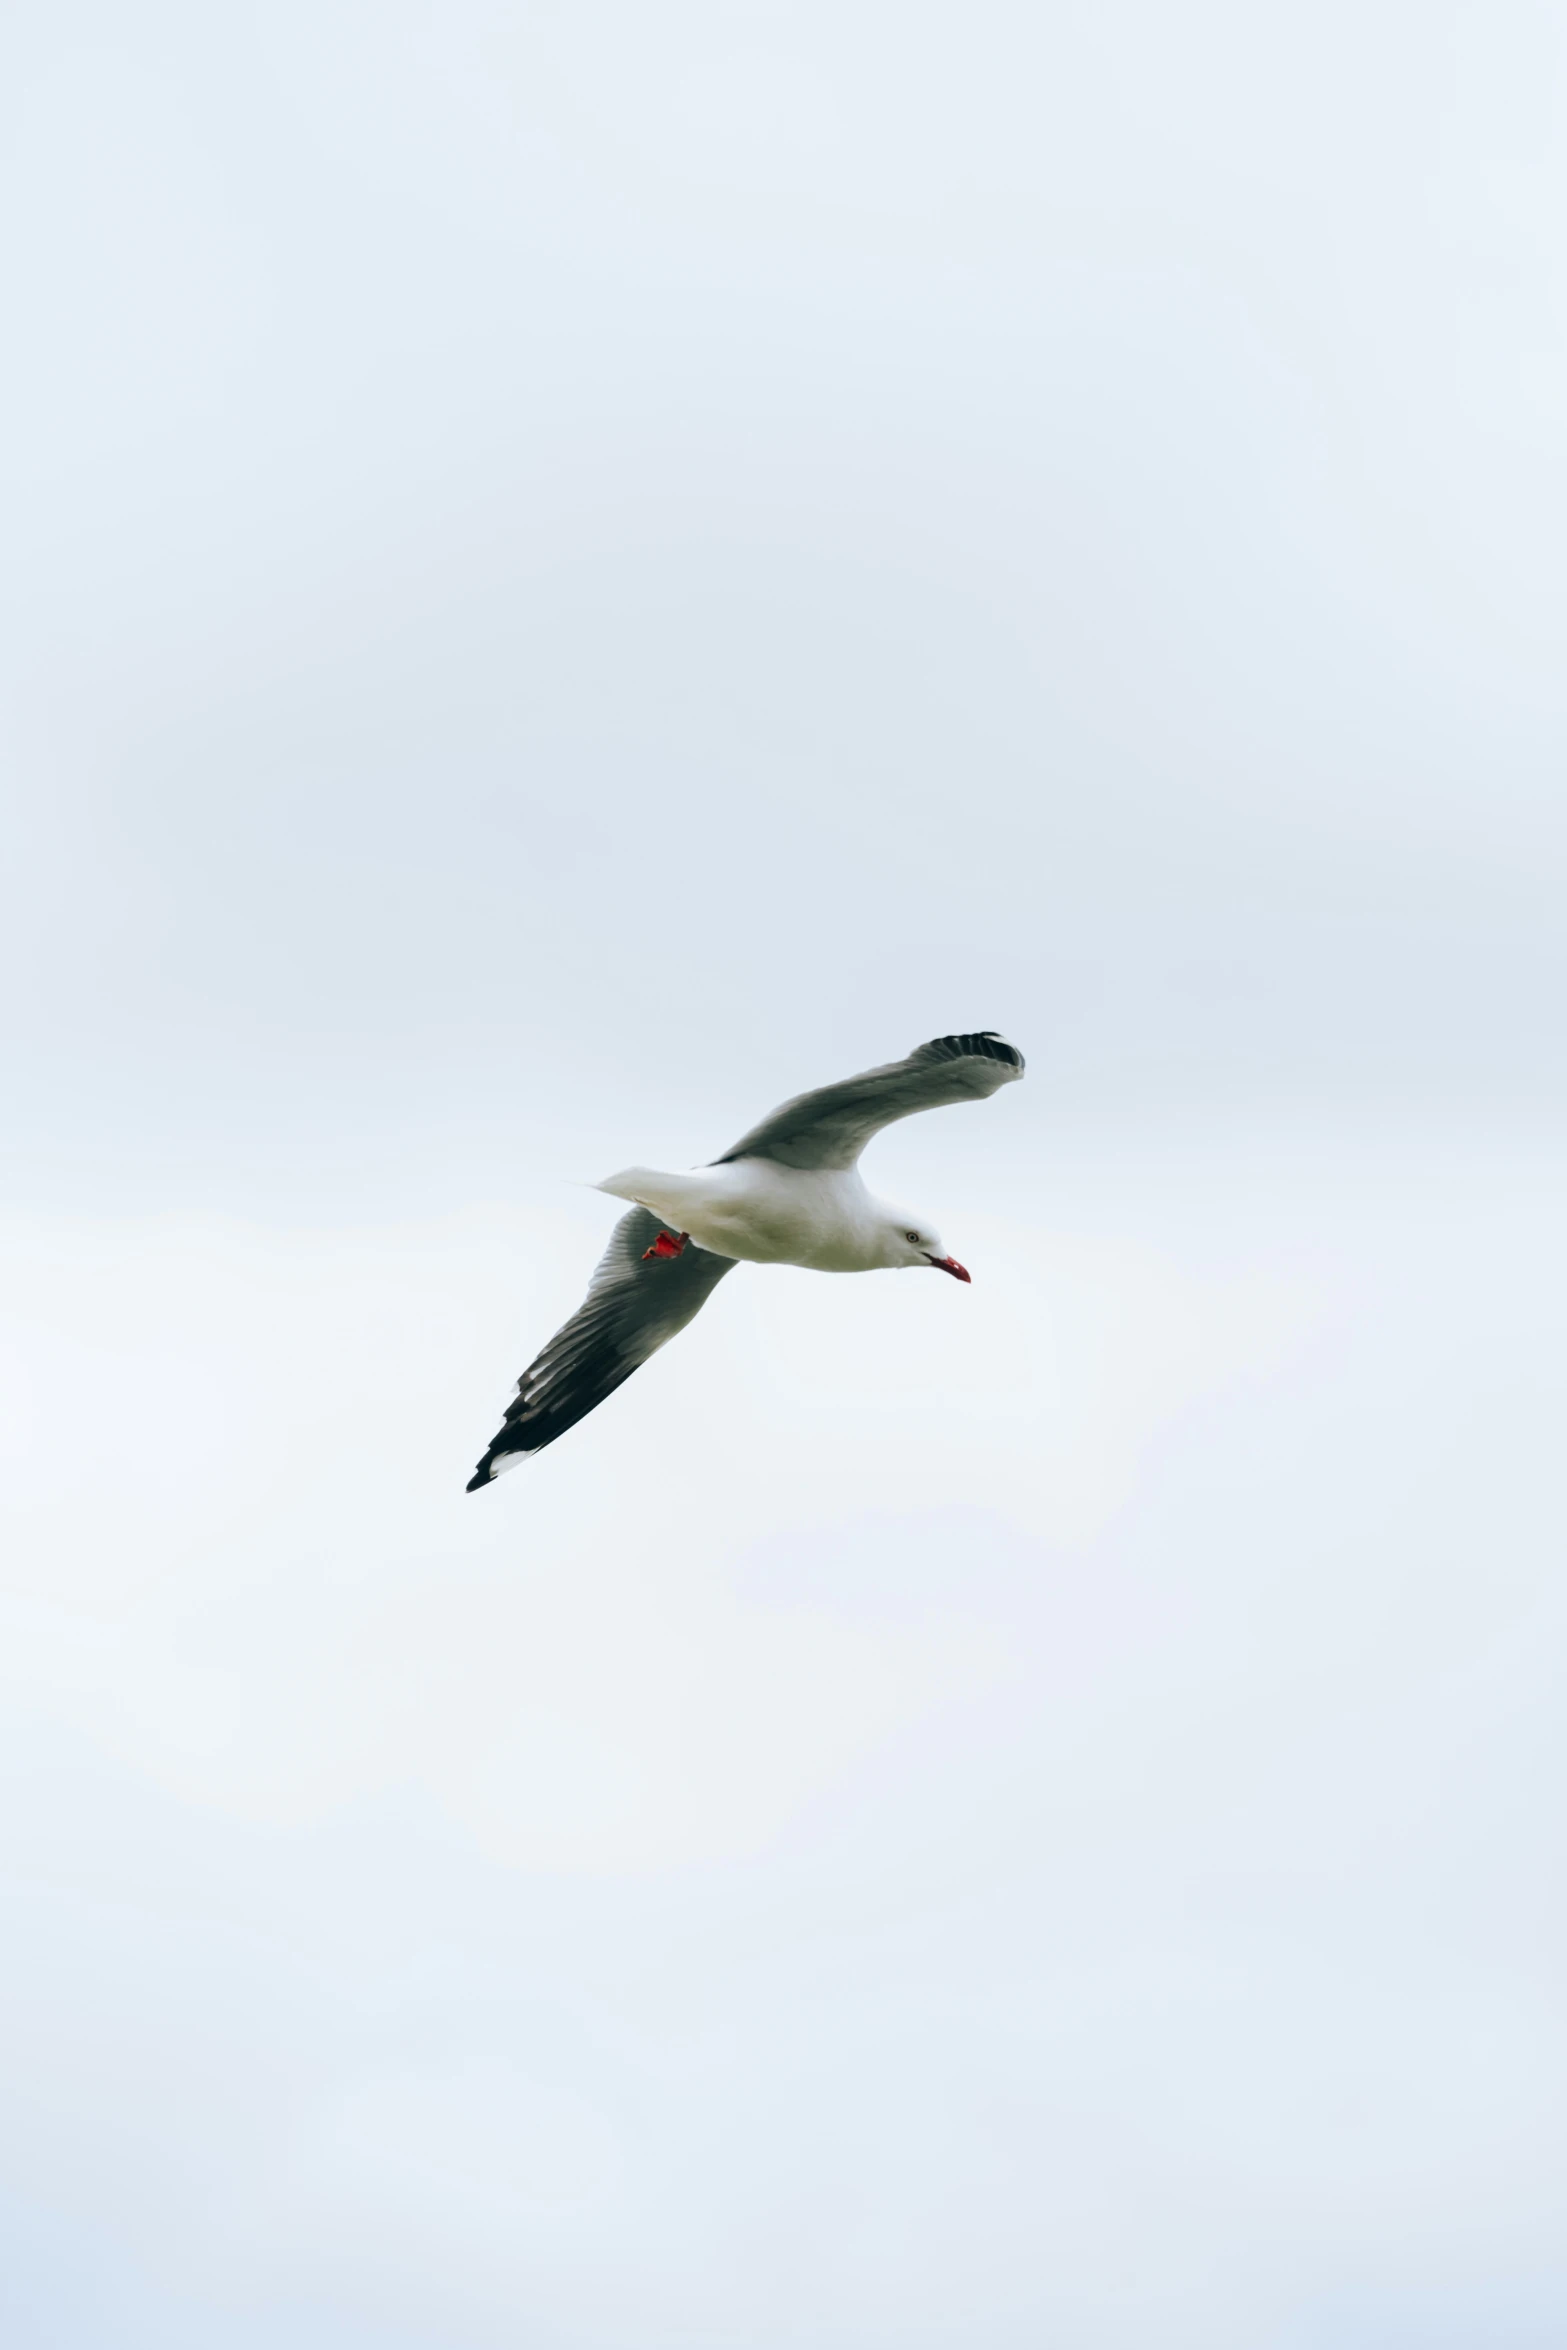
633,1305
831,1127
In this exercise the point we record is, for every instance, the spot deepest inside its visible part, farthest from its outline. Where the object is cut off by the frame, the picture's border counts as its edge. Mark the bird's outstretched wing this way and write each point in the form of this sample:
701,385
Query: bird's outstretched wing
830,1128
635,1303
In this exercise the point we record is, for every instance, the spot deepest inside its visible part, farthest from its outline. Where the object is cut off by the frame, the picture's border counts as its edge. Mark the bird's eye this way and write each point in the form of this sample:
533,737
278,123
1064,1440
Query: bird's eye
911,1236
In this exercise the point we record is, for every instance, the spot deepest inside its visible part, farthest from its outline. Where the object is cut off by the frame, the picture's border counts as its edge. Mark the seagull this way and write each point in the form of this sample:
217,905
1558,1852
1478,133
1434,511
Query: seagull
789,1193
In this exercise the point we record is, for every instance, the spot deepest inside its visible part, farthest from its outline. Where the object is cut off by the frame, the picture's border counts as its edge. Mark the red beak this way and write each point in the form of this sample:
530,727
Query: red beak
950,1265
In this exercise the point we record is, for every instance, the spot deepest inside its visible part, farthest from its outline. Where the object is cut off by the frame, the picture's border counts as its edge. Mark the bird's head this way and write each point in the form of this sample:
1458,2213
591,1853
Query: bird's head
906,1240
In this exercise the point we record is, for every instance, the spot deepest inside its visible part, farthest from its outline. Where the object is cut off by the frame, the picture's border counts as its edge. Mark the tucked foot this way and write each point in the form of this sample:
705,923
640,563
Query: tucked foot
666,1245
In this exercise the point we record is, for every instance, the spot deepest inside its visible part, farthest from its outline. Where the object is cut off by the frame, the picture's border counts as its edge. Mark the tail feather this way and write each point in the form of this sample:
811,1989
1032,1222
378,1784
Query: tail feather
631,1183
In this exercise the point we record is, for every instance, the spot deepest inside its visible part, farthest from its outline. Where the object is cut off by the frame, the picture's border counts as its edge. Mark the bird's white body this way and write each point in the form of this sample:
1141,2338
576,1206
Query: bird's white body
767,1214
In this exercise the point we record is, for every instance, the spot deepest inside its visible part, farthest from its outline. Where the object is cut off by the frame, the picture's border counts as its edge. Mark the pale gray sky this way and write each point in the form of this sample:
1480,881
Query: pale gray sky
571,571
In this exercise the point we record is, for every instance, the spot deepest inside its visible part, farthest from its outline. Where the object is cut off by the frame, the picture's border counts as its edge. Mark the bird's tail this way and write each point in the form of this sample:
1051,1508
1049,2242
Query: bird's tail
633,1183
673,1197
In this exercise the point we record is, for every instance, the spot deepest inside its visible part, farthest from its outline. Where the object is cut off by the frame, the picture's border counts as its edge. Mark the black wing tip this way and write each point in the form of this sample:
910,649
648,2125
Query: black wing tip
984,1044
499,1457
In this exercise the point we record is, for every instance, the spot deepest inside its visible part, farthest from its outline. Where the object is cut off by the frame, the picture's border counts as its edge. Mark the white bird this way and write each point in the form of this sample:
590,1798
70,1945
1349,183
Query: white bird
789,1193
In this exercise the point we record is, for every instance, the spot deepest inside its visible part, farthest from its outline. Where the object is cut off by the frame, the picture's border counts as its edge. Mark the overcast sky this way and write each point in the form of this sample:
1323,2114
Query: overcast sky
570,571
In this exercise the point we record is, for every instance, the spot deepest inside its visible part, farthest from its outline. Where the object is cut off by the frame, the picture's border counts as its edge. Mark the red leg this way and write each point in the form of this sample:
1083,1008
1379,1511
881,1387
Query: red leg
666,1246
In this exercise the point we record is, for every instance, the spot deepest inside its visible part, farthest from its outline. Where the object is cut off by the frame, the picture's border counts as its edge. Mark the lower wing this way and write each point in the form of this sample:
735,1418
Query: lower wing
637,1301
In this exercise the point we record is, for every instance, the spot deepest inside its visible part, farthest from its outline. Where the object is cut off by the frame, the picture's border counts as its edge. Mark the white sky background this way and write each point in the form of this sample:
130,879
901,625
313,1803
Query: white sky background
572,572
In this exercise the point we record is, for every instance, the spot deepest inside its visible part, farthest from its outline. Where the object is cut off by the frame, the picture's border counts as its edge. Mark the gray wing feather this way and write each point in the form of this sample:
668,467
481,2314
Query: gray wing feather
633,1307
830,1128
